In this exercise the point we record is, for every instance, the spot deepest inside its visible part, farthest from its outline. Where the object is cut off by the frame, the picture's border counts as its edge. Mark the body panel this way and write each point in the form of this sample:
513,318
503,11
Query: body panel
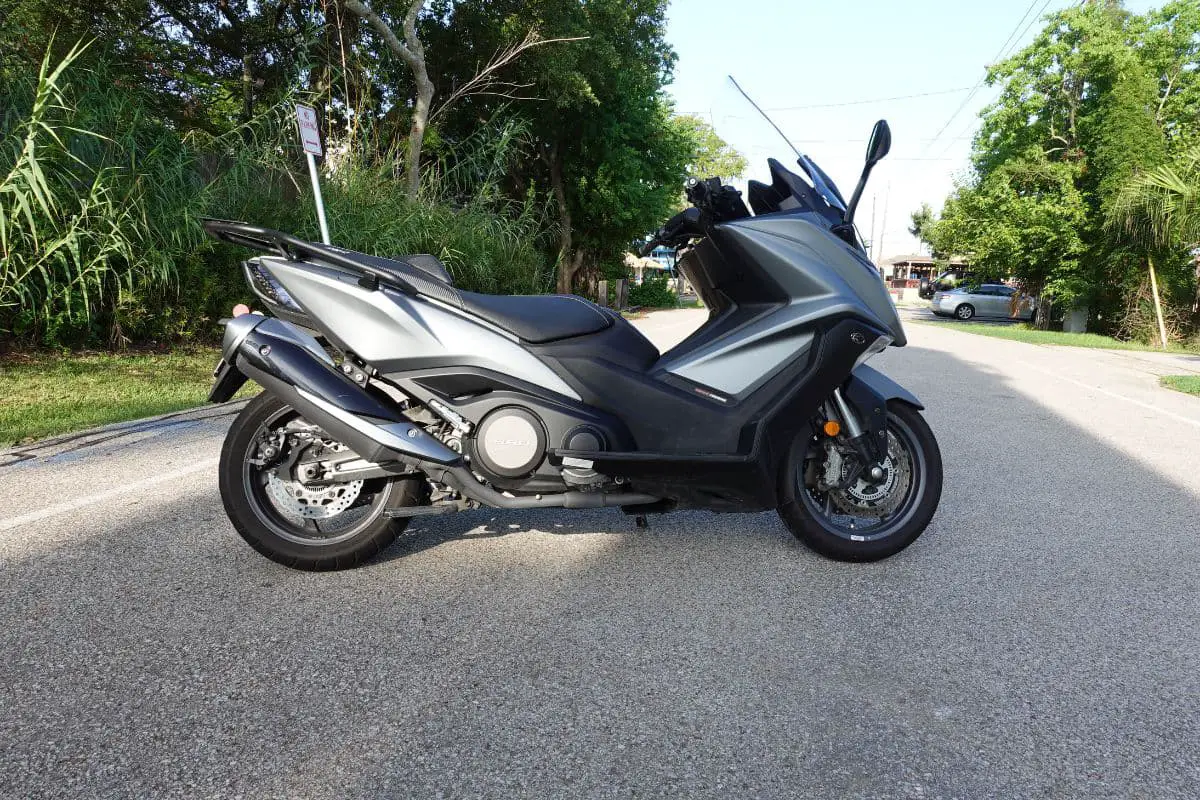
388,329
792,272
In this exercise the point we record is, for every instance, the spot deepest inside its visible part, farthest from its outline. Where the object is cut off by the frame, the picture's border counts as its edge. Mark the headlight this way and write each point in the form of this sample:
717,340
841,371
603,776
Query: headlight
876,347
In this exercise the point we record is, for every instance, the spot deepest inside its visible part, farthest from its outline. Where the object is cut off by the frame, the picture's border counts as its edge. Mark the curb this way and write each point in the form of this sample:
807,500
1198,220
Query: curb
80,439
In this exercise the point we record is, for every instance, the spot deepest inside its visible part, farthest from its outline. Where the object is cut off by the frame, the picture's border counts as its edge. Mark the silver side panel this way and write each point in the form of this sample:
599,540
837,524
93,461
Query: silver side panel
746,358
820,275
383,325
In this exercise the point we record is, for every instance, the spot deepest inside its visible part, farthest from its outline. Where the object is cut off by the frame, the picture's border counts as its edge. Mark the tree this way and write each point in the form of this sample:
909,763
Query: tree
1100,95
606,142
713,157
1160,208
412,52
1021,221
923,222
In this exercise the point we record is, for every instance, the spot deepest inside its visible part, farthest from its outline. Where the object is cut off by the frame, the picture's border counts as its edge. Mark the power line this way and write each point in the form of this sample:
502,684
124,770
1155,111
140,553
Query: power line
1005,53
840,105
872,100
999,54
1014,30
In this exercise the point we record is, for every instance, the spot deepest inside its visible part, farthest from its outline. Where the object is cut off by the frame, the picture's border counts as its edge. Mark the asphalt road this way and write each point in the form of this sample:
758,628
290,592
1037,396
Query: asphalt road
1040,640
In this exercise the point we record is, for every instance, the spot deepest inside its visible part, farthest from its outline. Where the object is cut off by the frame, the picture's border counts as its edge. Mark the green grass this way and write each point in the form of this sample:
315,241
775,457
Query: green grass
45,395
1023,333
1182,383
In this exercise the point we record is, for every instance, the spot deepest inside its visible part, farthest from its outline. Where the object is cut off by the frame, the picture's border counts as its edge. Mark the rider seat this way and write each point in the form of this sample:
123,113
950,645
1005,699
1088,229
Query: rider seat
536,319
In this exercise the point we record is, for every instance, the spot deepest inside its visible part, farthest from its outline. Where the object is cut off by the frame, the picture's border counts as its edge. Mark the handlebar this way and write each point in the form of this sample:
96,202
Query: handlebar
649,246
712,203
680,229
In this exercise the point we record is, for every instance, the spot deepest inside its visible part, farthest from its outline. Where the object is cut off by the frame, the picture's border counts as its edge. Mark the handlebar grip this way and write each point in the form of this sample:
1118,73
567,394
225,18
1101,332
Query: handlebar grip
649,246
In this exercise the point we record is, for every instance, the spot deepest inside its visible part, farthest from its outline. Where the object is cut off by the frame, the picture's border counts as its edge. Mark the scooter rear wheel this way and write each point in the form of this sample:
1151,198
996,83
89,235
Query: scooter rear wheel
864,521
303,527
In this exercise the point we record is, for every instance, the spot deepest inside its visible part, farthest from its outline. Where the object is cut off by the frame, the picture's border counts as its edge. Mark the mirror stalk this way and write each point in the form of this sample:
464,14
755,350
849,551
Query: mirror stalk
858,190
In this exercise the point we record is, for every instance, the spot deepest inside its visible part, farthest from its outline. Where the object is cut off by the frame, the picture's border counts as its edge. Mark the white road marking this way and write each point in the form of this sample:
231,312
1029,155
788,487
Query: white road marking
1147,406
110,494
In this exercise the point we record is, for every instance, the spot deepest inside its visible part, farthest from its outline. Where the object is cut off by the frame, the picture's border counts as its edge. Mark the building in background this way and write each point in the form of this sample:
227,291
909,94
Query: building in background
915,267
905,274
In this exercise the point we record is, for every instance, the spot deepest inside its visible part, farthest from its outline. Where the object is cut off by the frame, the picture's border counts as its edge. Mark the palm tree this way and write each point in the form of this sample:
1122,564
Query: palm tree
1161,208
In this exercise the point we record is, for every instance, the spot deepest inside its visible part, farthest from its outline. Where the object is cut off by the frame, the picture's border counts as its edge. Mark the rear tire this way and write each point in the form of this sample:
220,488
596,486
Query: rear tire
819,532
965,312
279,538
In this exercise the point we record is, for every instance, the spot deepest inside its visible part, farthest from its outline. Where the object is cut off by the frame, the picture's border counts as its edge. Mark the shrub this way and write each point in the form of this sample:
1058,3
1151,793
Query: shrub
654,292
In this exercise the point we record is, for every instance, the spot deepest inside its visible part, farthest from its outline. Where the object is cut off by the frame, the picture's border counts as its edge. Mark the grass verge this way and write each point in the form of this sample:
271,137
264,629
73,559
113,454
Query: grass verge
1023,333
1182,383
45,395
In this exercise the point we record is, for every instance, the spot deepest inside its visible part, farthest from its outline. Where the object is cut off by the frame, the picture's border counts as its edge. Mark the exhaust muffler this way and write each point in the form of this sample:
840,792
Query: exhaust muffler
294,367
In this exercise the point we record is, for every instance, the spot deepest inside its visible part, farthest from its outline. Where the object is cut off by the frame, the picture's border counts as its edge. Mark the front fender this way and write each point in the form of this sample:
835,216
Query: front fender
881,385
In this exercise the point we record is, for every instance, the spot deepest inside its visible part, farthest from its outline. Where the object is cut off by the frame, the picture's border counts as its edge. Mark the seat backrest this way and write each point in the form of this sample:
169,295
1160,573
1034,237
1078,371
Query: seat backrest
431,265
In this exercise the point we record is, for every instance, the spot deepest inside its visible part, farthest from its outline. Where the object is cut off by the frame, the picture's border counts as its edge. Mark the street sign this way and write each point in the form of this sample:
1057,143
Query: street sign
310,134
310,139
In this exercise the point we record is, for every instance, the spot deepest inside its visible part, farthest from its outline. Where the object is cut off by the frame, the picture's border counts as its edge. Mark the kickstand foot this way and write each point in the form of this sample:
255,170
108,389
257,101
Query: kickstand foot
641,521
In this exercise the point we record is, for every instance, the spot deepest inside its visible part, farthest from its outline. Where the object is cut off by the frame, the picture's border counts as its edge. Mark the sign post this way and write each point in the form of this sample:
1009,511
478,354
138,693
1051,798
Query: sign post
310,138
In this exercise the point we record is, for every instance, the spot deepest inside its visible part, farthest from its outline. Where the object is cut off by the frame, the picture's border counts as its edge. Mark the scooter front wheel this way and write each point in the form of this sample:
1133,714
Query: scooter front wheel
854,518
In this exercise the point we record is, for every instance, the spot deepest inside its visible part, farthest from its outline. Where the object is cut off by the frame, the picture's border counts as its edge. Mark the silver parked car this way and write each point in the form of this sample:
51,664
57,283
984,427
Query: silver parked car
989,300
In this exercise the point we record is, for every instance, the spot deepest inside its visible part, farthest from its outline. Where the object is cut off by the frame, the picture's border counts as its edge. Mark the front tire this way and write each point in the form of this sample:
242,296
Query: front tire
256,501
810,514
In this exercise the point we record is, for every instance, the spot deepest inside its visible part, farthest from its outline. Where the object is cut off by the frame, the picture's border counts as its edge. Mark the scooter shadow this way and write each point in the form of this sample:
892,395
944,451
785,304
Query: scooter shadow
430,532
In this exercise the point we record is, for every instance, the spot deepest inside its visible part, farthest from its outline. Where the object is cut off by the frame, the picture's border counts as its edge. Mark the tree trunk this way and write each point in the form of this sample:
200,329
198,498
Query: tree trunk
247,89
569,260
1044,306
567,270
412,52
1196,302
416,135
1162,328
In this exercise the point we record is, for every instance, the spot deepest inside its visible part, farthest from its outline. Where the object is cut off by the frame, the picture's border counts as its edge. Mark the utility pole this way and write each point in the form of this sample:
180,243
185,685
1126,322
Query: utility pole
883,228
874,252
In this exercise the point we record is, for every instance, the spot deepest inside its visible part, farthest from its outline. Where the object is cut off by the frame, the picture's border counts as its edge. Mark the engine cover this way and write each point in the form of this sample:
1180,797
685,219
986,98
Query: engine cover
510,442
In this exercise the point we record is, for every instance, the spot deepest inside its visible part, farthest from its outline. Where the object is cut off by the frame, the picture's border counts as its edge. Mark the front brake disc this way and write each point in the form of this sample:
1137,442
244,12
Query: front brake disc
878,498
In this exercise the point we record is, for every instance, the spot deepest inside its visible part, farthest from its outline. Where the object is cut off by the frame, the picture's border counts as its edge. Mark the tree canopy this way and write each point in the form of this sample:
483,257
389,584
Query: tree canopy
547,117
1099,98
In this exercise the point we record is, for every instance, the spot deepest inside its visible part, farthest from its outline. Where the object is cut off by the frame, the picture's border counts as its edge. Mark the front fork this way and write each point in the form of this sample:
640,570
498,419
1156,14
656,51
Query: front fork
864,418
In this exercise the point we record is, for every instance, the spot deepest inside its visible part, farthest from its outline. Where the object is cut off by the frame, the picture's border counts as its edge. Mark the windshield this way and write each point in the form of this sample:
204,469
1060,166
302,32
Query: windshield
790,192
822,183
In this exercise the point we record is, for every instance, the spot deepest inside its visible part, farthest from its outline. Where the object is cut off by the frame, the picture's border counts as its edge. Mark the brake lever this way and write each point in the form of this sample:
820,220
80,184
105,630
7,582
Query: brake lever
649,246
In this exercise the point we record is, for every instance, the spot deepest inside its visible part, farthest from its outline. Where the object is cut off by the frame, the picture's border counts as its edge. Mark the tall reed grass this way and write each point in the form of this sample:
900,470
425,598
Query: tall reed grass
100,202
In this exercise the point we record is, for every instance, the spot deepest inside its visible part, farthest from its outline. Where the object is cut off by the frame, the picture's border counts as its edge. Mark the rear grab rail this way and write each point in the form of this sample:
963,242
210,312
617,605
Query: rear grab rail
294,248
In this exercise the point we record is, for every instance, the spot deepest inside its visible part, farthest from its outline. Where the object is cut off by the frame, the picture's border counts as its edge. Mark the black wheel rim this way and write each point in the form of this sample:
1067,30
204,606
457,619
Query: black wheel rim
299,530
864,528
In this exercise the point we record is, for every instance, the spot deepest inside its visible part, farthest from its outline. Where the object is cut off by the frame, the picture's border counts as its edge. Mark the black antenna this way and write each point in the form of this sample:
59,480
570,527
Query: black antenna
764,116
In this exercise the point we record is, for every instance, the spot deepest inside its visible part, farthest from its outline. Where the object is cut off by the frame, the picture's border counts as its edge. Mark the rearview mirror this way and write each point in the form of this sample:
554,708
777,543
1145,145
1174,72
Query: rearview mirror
877,148
880,144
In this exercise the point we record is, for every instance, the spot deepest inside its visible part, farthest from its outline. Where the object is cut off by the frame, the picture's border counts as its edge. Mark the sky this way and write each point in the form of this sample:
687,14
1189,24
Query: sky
822,69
